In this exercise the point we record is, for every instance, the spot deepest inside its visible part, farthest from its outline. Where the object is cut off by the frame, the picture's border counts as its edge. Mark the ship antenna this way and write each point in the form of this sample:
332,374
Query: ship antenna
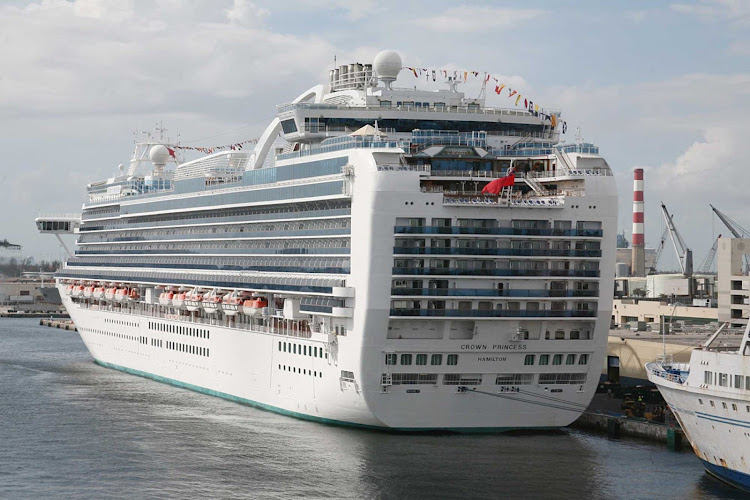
483,90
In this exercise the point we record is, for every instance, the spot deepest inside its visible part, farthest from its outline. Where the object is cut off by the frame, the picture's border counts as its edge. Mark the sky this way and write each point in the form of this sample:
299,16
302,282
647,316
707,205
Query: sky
663,86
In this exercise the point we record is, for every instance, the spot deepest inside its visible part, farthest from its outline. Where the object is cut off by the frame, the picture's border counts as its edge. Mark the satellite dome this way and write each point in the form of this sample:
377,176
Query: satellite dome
387,65
159,155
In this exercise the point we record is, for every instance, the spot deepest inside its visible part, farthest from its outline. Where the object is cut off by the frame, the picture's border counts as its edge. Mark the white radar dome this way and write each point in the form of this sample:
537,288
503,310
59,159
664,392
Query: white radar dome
387,65
159,155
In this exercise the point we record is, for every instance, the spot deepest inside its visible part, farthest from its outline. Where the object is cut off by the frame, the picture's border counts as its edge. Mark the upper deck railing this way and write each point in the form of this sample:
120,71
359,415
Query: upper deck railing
471,110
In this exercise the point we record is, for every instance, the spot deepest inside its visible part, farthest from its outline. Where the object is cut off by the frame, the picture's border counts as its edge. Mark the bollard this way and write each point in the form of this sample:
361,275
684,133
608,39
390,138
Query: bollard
674,439
613,428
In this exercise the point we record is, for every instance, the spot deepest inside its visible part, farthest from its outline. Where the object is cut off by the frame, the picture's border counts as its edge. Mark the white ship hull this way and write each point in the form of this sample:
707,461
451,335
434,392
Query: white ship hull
247,367
715,418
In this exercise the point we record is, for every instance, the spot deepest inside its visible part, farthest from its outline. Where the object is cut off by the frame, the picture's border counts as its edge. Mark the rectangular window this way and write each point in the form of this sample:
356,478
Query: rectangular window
421,359
436,359
557,359
514,378
707,378
406,359
544,359
390,359
529,359
452,359
734,407
723,379
583,359
411,378
570,359
738,380
462,379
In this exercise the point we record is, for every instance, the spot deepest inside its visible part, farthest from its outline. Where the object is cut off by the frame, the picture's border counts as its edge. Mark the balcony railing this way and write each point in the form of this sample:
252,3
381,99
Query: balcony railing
496,251
484,292
436,271
509,231
475,313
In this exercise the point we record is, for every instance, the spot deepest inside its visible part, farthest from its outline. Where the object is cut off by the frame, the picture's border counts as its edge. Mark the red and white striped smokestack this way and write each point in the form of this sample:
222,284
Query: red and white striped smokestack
638,262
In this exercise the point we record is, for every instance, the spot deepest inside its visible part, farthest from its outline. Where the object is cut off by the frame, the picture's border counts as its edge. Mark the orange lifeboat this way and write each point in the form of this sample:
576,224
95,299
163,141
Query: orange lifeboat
121,294
254,307
212,302
193,300
69,290
165,298
98,292
178,299
231,304
77,291
88,291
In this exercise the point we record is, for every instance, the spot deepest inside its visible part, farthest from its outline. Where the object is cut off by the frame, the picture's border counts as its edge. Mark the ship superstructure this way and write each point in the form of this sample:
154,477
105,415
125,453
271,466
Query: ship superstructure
351,270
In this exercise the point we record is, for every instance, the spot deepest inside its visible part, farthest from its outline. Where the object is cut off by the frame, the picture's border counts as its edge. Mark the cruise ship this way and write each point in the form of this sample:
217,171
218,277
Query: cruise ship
357,266
710,398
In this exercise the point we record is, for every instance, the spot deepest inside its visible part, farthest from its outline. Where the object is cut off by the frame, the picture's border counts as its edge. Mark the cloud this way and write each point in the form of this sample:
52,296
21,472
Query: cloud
687,132
475,19
735,11
160,62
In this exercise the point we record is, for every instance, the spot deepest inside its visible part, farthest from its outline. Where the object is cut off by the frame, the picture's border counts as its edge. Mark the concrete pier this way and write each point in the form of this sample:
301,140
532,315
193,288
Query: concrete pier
59,323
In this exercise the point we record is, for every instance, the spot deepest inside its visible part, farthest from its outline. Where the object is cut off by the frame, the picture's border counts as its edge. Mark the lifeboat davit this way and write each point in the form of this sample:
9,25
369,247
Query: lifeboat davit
212,302
254,307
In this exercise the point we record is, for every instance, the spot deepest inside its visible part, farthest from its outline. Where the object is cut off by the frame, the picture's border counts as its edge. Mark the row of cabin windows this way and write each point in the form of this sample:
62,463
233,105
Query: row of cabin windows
190,331
420,359
119,322
724,405
231,229
113,334
726,380
313,210
502,379
557,359
301,371
304,350
187,348
493,223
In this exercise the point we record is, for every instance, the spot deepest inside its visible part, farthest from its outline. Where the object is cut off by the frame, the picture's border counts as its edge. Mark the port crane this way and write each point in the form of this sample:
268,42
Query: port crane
684,254
709,260
736,230
659,249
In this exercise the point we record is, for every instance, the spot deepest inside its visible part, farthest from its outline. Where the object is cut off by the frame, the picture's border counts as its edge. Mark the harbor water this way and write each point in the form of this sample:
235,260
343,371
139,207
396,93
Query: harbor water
72,429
